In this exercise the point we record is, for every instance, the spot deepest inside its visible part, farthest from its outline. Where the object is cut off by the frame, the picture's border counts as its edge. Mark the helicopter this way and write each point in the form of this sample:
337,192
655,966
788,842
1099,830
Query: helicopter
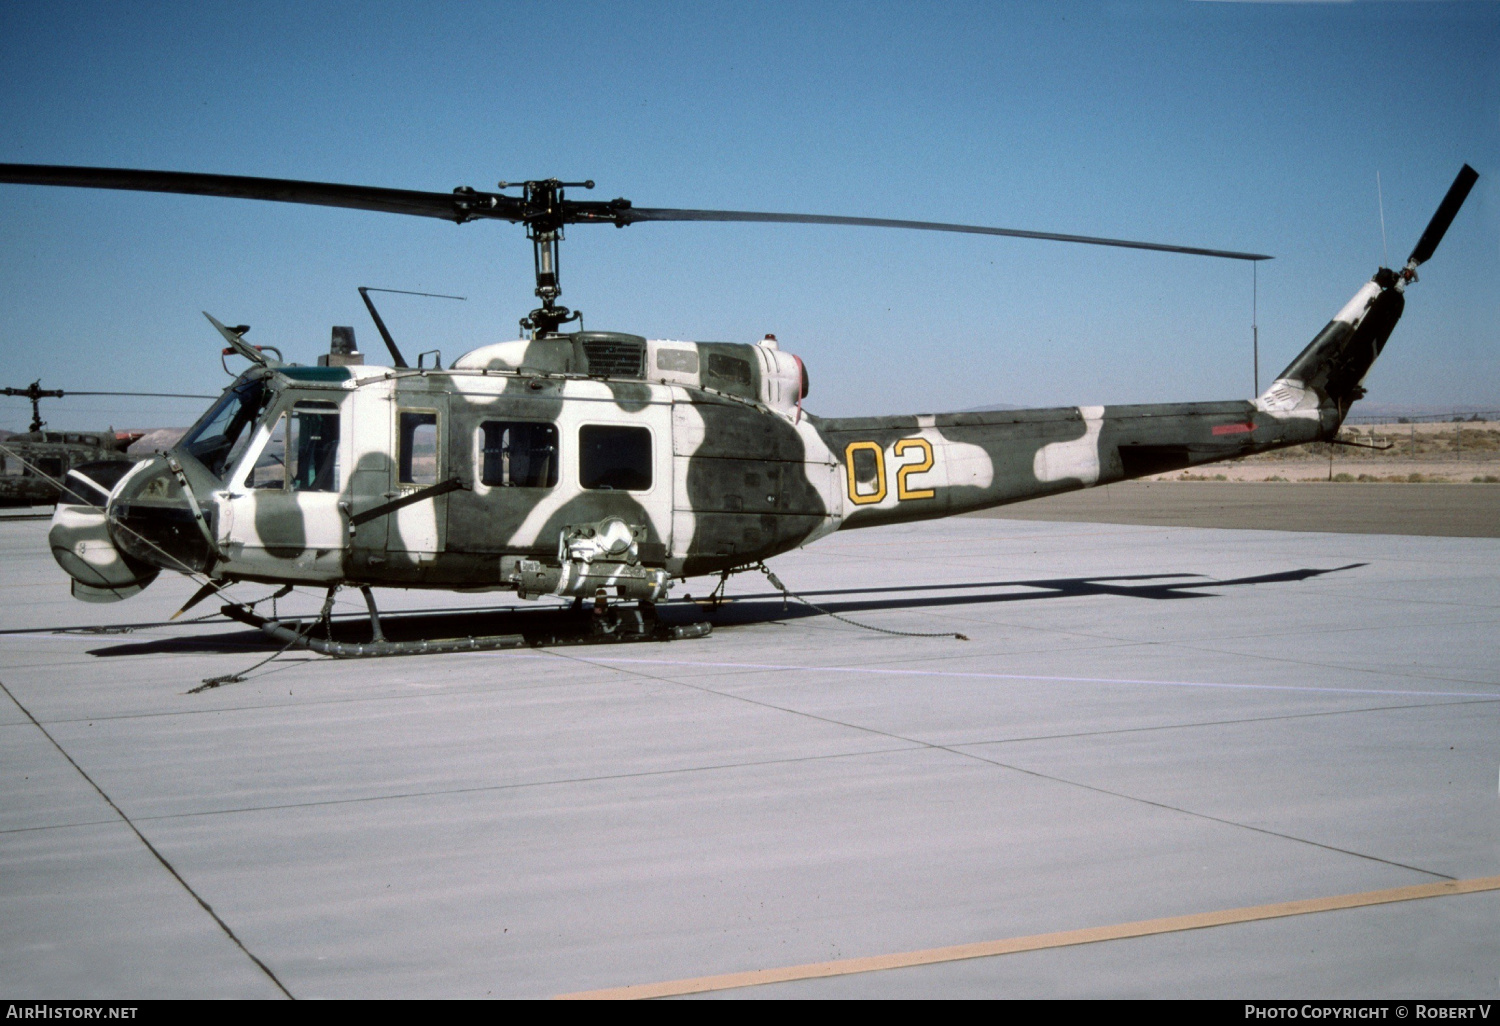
38,462
606,466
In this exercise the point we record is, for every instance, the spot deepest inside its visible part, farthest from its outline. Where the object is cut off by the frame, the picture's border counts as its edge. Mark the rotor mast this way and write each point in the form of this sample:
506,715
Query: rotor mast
543,202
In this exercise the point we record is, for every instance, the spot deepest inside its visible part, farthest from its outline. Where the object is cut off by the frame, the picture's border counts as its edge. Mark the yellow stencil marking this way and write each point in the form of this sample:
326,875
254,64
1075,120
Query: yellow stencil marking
1040,941
923,446
854,493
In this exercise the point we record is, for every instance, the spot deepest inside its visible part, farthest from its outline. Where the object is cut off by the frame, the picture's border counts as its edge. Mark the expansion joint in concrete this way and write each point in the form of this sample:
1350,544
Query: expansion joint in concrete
149,846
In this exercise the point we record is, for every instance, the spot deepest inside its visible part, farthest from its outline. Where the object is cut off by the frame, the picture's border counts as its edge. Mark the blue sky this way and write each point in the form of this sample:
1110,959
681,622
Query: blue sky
1256,126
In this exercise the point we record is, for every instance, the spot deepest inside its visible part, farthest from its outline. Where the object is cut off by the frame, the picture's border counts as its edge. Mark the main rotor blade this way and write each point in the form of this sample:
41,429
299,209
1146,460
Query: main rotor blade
457,206
1446,212
665,214
466,204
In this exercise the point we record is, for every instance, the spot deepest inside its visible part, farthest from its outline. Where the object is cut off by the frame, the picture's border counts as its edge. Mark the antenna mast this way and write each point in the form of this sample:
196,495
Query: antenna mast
1380,198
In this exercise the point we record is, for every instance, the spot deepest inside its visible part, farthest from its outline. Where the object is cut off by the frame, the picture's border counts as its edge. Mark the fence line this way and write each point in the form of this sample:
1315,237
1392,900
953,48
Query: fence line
1455,416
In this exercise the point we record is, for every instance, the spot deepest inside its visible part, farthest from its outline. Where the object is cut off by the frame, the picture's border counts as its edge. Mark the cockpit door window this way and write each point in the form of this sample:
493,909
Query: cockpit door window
312,440
302,452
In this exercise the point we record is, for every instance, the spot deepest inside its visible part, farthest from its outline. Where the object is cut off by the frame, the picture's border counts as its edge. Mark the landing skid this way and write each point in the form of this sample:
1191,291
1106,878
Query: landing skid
609,625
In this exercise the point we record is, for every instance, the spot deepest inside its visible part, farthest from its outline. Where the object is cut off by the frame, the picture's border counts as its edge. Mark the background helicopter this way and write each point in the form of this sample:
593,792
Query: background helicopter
605,465
38,459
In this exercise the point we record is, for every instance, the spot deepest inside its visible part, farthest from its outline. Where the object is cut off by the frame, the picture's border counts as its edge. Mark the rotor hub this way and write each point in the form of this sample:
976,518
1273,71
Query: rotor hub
36,393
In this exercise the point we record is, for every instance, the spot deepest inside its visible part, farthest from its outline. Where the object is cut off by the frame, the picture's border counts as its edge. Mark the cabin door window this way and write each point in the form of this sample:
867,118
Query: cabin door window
417,530
517,454
417,455
615,457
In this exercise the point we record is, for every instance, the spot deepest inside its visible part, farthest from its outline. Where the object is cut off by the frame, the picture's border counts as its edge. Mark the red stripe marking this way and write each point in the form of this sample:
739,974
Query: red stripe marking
1233,429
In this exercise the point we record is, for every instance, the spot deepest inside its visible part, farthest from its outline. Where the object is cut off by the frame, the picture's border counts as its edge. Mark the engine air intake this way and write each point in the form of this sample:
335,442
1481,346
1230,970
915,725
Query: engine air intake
612,355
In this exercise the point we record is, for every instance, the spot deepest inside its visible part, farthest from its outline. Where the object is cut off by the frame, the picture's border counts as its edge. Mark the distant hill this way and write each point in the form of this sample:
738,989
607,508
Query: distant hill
1366,412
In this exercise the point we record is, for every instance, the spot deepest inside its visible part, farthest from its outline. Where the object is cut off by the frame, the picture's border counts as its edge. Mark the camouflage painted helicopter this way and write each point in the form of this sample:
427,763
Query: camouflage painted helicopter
34,464
602,465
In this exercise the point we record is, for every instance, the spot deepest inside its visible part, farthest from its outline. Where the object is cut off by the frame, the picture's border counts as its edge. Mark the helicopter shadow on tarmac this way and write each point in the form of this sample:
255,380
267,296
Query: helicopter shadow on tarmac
751,609
560,626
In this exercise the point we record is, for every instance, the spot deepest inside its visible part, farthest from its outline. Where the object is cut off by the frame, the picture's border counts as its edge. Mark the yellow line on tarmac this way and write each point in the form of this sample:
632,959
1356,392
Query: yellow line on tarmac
1040,941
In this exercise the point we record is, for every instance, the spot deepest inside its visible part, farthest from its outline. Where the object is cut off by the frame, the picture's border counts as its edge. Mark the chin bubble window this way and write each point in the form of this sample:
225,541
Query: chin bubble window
615,458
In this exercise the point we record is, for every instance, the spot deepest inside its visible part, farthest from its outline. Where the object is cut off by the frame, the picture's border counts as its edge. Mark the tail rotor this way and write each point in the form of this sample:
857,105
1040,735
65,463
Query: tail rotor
1330,372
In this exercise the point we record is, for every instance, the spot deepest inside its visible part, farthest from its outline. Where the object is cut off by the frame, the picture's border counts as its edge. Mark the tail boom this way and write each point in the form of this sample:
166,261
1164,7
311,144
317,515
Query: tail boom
899,469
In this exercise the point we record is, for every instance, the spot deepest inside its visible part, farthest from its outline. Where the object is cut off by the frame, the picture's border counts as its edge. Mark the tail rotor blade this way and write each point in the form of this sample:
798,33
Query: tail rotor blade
1446,212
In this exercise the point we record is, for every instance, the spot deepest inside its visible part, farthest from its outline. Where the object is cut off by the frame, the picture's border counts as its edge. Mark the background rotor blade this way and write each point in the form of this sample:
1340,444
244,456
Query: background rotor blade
58,393
1446,212
154,395
449,206
634,214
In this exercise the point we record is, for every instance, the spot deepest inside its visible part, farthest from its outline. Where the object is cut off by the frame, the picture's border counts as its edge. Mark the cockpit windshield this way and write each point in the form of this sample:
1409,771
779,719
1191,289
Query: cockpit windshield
222,433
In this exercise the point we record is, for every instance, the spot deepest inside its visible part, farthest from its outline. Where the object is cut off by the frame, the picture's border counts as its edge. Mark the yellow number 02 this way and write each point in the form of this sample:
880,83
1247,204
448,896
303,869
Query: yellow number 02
902,491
